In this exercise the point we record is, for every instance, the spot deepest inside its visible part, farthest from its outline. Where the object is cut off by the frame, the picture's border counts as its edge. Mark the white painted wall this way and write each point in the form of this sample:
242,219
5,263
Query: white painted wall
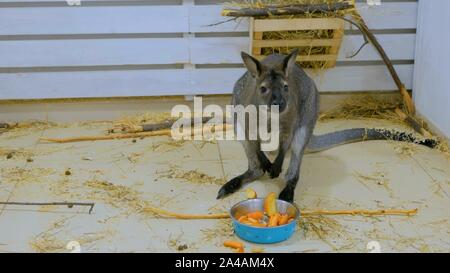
165,47
432,63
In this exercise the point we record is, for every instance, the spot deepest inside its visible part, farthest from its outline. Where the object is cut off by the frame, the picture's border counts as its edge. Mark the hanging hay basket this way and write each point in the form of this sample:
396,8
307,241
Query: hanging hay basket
318,39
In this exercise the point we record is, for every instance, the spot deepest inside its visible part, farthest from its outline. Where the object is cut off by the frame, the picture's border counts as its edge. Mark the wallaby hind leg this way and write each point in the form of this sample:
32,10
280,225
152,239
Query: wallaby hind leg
257,165
298,146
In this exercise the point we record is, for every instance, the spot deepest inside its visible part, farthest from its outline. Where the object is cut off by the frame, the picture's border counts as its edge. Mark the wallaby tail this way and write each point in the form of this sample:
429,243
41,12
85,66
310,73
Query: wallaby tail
330,140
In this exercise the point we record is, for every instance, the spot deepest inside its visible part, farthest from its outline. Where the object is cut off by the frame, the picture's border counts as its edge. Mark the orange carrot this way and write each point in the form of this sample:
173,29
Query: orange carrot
252,220
258,215
270,204
290,220
242,218
283,219
233,244
274,219
240,250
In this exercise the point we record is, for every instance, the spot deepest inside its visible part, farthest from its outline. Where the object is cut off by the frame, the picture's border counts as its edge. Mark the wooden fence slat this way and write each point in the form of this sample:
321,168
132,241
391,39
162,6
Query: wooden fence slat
93,20
178,82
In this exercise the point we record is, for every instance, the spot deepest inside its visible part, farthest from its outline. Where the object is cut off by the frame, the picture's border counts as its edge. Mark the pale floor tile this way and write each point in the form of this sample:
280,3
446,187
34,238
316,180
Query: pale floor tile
156,172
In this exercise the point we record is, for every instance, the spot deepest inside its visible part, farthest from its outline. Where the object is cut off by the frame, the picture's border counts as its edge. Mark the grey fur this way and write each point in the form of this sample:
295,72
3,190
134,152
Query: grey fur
300,101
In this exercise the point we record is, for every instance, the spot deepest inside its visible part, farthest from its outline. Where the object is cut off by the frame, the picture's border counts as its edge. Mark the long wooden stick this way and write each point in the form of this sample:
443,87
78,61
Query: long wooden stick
304,213
166,132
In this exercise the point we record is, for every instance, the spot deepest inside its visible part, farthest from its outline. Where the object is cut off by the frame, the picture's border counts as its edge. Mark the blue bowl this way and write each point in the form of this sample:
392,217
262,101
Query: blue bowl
263,235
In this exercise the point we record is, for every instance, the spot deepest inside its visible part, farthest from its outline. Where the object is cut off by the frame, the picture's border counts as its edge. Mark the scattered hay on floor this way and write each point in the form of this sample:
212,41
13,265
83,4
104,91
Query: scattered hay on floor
223,228
326,229
405,149
117,196
192,176
56,238
375,178
16,153
21,175
365,107
167,146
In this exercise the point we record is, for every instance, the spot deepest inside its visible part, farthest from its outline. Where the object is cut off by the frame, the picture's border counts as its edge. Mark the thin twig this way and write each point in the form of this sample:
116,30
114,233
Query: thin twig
68,204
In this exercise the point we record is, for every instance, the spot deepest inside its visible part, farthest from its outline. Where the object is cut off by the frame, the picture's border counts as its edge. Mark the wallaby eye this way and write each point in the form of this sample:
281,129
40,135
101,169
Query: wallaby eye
286,88
263,89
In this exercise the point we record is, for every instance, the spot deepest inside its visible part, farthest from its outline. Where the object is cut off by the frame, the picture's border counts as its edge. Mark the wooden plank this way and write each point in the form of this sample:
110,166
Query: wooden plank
94,84
389,15
217,50
178,82
93,20
339,79
296,24
220,50
41,53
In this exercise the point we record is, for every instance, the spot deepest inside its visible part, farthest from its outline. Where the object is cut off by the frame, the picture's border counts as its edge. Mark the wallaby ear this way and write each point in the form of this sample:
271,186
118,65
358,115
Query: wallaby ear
289,61
252,64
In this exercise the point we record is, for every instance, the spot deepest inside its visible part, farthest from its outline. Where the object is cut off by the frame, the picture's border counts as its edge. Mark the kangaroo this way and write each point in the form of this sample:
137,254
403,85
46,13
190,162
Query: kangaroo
278,80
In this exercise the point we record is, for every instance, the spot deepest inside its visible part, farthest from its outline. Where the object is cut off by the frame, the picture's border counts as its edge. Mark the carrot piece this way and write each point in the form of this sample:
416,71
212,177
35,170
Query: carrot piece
233,244
251,194
283,220
270,204
258,215
252,220
274,219
240,250
290,220
242,218
258,224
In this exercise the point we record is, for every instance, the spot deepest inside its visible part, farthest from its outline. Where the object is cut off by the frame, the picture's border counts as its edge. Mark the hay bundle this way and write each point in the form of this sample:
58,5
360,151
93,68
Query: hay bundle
276,9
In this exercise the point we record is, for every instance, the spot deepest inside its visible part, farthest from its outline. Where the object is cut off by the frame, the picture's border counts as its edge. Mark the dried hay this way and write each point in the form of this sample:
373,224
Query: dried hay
378,178
326,229
299,34
117,196
404,149
223,228
55,239
192,176
365,107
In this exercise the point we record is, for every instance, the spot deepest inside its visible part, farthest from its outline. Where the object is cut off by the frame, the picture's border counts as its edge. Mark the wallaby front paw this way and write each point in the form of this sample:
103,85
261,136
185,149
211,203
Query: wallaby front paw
287,195
266,165
230,187
275,170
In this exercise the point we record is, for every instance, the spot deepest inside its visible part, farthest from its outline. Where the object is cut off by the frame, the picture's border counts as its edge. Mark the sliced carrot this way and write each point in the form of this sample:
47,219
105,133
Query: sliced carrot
283,219
258,215
233,244
242,218
240,250
270,204
290,220
258,224
274,219
252,220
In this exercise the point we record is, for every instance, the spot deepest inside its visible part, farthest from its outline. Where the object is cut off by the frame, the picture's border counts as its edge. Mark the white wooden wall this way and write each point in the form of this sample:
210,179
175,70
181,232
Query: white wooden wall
431,77
107,48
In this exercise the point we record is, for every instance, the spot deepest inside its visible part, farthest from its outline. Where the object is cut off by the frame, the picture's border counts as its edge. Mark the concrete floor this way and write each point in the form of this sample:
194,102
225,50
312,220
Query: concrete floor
121,176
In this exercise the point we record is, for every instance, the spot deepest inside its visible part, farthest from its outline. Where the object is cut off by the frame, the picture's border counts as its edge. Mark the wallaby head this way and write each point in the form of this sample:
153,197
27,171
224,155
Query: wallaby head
272,81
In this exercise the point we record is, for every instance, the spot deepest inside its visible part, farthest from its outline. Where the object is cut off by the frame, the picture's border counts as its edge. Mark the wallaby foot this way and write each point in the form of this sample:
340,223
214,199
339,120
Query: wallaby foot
287,194
275,169
266,165
230,187
277,165
235,184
